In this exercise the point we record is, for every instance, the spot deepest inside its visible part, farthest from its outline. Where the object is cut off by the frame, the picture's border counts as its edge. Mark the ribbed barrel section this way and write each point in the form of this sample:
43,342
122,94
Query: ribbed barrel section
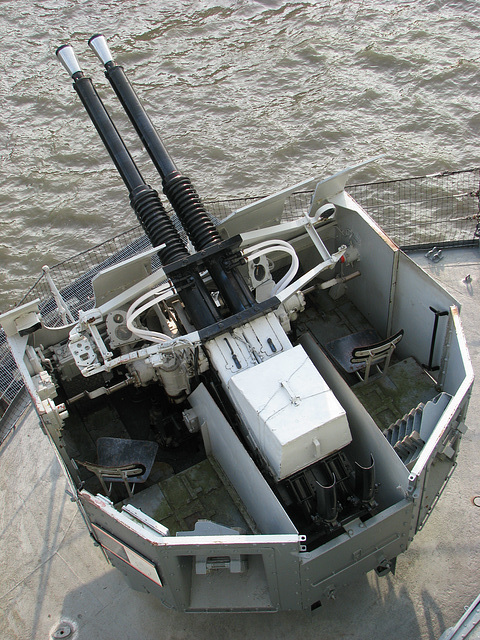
157,224
193,216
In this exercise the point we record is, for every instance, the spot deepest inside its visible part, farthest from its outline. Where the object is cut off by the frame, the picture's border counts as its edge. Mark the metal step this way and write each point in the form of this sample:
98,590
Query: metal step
409,434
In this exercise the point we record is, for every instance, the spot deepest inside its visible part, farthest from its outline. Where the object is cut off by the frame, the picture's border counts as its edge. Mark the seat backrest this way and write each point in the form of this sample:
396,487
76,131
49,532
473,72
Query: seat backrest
117,473
378,351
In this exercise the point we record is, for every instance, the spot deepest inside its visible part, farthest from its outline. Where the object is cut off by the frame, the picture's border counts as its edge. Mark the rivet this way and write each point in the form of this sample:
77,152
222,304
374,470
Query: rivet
64,630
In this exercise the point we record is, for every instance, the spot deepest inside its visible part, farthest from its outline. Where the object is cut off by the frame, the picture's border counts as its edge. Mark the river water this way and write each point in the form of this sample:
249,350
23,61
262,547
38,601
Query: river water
249,97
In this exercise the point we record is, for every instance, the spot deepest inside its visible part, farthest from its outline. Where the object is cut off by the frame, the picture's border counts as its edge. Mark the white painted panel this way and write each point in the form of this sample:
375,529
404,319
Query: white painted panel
258,498
415,293
371,291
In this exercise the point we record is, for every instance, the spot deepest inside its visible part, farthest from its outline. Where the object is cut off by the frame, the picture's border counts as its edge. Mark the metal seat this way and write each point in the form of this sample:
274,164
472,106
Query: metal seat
375,354
121,460
358,352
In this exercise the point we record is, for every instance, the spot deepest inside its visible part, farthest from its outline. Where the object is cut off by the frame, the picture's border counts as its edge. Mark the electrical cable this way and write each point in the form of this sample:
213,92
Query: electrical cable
270,246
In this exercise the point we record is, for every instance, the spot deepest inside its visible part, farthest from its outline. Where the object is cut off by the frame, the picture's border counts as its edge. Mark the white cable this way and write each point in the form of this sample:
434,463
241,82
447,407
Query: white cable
158,290
169,343
133,312
269,246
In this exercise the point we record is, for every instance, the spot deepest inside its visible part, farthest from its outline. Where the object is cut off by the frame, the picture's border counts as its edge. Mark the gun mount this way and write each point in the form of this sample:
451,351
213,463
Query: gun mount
232,386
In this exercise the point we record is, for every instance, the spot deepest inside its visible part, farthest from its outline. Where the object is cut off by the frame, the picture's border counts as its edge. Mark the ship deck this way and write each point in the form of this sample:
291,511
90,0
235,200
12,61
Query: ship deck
53,575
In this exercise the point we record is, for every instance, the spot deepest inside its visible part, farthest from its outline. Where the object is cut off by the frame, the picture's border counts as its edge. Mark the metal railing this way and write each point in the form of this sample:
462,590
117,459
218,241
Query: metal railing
417,213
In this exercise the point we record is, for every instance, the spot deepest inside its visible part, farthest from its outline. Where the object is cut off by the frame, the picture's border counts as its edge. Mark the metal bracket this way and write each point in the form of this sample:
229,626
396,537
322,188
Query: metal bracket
412,484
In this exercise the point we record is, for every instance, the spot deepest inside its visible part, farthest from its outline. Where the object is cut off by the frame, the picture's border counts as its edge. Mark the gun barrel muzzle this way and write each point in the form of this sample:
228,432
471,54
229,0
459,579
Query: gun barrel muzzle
67,57
98,44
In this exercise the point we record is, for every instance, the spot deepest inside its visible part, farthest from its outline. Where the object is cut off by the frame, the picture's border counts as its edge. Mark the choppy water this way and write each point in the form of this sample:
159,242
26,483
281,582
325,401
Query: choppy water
249,97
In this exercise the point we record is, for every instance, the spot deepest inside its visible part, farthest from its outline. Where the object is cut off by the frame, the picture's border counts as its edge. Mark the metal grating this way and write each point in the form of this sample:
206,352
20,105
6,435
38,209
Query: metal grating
422,212
13,397
435,210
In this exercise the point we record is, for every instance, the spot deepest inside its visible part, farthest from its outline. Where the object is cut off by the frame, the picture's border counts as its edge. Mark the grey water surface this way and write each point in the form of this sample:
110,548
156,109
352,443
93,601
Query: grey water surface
249,97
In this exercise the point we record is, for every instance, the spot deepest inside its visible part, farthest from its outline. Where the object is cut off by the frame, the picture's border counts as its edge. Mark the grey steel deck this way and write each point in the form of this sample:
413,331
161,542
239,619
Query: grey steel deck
52,573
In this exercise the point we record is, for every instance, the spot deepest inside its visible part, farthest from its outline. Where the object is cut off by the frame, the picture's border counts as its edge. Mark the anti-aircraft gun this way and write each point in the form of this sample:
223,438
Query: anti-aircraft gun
225,373
213,272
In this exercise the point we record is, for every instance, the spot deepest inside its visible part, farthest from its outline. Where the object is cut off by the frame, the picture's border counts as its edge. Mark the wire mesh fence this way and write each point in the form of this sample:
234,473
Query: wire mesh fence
419,212
13,397
435,210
